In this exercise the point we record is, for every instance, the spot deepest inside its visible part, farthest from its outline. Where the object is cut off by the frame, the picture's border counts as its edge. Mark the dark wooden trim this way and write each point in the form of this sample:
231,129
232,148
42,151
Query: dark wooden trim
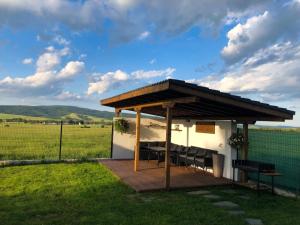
131,94
112,140
245,150
245,146
237,118
137,140
168,146
209,103
117,112
160,103
229,101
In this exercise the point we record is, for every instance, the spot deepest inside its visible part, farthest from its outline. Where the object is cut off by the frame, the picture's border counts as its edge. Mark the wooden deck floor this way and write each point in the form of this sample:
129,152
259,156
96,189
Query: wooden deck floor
151,177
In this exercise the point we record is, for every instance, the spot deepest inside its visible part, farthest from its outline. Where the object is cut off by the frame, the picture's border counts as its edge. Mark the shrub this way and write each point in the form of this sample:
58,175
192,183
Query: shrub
121,125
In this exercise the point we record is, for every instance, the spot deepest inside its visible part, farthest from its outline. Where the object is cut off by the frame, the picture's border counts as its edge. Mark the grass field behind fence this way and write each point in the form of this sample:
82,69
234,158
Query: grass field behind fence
39,141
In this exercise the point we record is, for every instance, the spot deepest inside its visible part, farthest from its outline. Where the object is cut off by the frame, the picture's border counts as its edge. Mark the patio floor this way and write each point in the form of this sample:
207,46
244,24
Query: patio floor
151,177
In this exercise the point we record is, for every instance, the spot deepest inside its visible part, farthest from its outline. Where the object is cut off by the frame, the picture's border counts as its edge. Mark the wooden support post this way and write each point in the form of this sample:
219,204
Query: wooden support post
137,139
245,146
117,112
112,140
168,145
245,149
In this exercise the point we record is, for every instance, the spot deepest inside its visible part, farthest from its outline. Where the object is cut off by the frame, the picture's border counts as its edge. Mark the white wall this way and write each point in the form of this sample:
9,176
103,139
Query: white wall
154,130
123,144
218,141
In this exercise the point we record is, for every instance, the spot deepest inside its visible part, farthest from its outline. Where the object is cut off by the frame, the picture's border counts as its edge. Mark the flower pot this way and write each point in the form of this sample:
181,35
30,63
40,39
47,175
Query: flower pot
218,164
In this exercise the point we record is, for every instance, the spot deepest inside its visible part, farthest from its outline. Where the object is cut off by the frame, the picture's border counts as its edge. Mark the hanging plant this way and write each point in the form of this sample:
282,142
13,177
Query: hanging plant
236,140
121,125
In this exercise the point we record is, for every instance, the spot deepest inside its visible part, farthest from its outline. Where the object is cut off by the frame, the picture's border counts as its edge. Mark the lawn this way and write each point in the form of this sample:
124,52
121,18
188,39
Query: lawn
88,193
39,141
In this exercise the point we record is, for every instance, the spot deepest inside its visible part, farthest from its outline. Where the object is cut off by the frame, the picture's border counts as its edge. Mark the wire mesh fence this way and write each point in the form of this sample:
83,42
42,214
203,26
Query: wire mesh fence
42,141
281,148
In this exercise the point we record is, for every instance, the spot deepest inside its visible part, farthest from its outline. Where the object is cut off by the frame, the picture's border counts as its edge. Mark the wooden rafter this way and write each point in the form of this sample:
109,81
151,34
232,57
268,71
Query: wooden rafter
210,103
237,118
160,103
230,101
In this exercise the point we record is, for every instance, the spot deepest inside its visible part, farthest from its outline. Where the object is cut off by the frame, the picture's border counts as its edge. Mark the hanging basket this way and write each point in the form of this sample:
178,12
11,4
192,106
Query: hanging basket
236,140
121,125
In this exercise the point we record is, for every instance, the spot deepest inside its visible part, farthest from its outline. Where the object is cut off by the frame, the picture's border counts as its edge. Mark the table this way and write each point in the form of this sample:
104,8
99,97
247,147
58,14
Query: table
272,175
158,150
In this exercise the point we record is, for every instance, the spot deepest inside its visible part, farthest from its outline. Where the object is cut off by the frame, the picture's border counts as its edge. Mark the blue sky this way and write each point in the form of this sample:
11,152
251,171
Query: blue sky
78,52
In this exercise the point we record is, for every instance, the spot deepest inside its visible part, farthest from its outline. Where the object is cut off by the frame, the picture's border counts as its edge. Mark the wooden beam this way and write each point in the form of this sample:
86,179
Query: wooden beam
237,118
229,101
131,94
117,112
245,146
168,145
161,103
137,140
112,140
245,150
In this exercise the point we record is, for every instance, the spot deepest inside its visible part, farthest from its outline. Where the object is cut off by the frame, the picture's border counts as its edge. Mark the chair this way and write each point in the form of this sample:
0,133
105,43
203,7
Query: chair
204,158
200,157
182,155
190,156
174,153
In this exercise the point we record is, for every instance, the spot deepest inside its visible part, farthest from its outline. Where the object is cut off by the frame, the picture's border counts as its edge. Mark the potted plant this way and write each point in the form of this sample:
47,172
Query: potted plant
121,125
237,141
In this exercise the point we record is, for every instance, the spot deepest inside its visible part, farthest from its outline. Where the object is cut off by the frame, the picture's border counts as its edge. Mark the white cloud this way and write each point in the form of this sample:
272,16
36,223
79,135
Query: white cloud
141,74
106,81
71,69
130,18
27,61
67,95
271,74
47,80
50,59
61,40
280,23
144,35
113,80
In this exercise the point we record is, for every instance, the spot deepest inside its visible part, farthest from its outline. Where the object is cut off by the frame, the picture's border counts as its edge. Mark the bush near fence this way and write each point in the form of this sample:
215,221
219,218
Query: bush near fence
281,148
42,141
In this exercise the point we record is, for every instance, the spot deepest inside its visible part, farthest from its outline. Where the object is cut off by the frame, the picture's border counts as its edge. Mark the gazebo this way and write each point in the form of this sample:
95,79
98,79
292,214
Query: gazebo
176,99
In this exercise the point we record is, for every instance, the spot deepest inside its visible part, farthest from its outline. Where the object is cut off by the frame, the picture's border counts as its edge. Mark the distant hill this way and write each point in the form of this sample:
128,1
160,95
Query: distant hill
54,112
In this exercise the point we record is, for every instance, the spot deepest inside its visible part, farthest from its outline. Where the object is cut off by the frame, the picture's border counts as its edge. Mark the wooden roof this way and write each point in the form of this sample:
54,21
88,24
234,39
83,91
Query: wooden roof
196,102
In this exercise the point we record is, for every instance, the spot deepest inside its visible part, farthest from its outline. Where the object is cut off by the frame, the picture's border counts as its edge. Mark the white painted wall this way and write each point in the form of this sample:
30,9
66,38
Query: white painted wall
123,144
218,141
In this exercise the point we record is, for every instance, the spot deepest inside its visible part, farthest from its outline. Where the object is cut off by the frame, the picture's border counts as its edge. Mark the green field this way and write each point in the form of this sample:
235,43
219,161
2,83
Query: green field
5,116
89,194
39,141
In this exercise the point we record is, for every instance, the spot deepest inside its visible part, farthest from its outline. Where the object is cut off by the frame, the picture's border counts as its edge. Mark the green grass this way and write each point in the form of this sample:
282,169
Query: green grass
88,193
13,116
38,141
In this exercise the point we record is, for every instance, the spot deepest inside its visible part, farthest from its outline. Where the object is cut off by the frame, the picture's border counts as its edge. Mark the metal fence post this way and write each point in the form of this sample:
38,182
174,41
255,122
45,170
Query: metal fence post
60,139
